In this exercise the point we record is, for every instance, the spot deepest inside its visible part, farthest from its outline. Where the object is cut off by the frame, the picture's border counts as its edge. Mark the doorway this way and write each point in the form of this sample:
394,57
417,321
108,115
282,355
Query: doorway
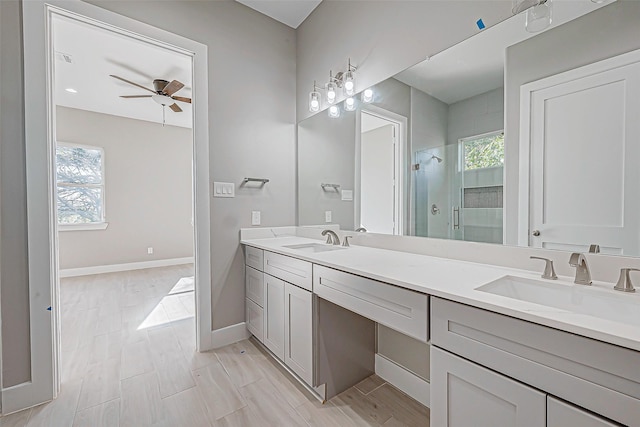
379,172
40,119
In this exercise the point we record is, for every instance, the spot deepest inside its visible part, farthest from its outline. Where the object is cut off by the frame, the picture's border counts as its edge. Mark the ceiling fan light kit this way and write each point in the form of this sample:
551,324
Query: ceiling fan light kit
163,91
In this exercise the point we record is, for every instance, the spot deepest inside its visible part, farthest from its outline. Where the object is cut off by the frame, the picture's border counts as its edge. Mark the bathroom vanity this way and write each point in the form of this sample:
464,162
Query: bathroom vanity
496,359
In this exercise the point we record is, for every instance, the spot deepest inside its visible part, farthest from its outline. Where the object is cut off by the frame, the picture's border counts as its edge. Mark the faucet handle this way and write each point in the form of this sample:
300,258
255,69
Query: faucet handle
345,242
624,281
549,271
594,249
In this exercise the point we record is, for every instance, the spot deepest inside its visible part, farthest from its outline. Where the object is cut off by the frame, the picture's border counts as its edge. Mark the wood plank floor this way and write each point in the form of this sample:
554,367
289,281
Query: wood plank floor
128,359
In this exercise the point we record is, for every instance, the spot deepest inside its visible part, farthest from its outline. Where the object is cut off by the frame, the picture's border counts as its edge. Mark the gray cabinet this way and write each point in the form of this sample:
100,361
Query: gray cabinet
465,394
562,414
274,315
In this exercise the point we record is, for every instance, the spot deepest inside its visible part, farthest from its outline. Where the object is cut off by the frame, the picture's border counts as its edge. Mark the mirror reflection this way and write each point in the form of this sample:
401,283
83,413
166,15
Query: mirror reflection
498,139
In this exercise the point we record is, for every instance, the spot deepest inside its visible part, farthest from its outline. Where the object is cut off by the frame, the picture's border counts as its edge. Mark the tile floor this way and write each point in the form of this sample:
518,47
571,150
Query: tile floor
128,359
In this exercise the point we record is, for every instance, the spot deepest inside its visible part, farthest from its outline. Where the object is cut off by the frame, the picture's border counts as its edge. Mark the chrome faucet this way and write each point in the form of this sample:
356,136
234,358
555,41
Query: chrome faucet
361,230
583,275
332,237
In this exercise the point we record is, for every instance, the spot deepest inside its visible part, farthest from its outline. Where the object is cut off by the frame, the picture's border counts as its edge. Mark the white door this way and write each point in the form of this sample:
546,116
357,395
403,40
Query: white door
585,151
274,315
562,414
464,394
298,336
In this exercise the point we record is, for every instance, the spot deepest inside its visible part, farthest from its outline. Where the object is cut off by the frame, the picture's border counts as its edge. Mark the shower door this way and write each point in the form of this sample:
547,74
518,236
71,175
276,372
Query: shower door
438,193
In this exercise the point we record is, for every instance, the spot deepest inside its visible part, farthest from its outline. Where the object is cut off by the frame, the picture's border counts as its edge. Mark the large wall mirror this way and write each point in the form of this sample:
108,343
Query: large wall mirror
508,137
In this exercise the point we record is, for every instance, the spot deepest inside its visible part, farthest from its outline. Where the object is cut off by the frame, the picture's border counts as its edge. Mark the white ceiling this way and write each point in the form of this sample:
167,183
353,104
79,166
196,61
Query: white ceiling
476,65
289,12
96,53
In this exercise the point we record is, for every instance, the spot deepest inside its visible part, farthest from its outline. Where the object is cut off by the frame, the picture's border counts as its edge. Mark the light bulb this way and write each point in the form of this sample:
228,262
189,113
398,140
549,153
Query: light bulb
332,90
71,90
334,112
314,101
349,104
539,17
367,95
349,83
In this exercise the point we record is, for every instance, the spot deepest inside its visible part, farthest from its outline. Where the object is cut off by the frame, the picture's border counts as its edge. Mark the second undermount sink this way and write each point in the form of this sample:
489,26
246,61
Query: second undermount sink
314,247
593,301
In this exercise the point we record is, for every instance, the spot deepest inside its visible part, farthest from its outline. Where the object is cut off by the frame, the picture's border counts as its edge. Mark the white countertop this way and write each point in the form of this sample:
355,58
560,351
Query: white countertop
457,281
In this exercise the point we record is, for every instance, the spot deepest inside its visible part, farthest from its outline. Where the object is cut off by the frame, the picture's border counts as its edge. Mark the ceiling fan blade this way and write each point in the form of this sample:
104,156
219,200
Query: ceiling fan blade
182,98
131,83
172,88
175,108
136,96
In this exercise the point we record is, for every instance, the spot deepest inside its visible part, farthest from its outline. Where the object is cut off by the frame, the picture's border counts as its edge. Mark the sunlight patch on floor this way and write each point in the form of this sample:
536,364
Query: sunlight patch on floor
178,304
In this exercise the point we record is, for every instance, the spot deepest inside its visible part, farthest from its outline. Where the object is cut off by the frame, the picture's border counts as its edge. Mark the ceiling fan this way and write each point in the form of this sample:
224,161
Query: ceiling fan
162,93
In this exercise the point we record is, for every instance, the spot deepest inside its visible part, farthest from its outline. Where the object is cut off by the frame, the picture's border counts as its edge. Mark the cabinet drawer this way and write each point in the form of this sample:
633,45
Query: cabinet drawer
395,307
600,377
254,257
255,319
289,269
561,414
254,286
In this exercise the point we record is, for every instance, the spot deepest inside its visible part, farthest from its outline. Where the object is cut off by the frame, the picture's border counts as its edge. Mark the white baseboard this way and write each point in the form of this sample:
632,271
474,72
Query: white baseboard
229,335
408,382
99,269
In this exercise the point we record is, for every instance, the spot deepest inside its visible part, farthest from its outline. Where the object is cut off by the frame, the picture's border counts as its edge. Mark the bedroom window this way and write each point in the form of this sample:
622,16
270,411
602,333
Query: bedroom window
80,186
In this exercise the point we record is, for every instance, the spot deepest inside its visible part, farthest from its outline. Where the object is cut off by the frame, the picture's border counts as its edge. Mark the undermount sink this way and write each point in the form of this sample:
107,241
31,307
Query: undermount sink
314,247
592,301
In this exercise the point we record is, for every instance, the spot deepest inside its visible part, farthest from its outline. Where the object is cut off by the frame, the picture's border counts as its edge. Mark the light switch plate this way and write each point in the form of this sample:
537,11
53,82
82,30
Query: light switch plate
255,217
327,216
347,195
224,189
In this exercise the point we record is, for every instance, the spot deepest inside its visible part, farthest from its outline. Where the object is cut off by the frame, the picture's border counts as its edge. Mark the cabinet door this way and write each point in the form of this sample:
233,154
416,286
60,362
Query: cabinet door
298,335
274,315
562,414
464,394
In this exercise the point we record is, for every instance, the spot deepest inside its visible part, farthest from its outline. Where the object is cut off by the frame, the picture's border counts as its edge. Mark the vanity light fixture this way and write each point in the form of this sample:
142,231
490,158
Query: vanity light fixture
314,99
539,13
367,95
349,80
332,89
350,104
334,111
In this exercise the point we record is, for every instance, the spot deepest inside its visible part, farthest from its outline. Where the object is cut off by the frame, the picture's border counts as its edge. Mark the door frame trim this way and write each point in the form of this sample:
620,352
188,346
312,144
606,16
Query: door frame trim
40,169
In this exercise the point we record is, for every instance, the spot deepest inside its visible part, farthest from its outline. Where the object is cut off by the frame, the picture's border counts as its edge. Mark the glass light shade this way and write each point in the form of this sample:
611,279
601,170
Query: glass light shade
539,17
349,104
334,112
367,95
314,101
349,83
332,92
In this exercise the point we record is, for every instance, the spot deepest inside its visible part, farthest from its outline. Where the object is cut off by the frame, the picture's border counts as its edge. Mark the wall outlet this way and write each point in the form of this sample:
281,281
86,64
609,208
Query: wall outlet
150,251
255,218
327,216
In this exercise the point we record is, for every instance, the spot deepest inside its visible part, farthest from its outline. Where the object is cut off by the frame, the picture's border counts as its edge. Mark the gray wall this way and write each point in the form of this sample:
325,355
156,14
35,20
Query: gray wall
252,73
148,195
383,37
476,115
14,273
604,33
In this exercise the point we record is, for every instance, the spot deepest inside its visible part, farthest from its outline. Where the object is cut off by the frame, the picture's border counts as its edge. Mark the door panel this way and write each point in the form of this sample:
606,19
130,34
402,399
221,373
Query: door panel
274,315
585,184
299,332
464,394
